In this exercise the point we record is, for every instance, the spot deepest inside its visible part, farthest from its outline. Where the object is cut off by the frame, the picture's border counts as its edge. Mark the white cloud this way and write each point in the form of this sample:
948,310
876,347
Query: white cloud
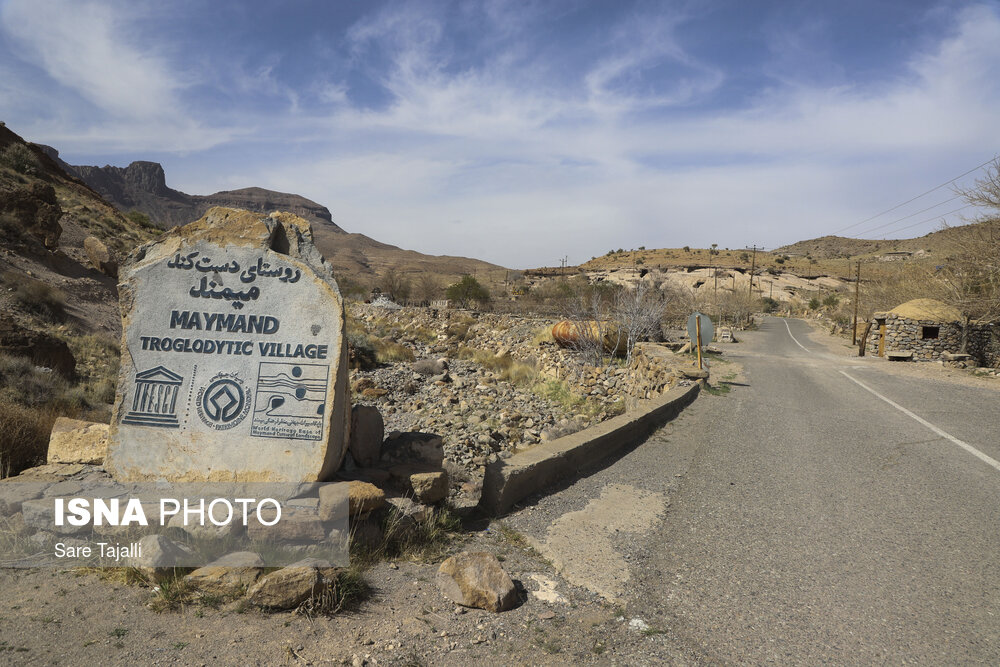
104,87
537,150
86,47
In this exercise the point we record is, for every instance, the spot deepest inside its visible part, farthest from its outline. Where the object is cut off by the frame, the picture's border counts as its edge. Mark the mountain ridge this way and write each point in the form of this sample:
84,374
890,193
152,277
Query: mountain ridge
142,186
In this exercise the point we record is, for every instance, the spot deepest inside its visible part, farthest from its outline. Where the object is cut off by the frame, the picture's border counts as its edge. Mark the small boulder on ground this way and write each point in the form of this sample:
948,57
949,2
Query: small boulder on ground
228,574
364,497
476,579
100,257
77,441
430,366
429,487
285,588
159,556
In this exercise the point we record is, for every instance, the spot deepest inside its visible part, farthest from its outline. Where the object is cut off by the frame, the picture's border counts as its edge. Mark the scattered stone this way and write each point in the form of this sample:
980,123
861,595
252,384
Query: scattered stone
160,556
100,257
367,432
334,502
285,588
476,579
364,497
228,574
429,487
430,366
14,492
638,625
424,448
77,441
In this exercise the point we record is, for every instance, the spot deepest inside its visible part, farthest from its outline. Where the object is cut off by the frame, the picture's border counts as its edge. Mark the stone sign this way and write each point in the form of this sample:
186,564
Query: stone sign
234,362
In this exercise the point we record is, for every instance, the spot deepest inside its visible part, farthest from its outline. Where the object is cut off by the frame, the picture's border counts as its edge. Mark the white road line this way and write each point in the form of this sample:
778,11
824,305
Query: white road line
793,337
947,436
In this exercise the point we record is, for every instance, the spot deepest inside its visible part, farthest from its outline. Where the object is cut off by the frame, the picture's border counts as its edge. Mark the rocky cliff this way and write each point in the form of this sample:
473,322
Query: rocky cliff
142,185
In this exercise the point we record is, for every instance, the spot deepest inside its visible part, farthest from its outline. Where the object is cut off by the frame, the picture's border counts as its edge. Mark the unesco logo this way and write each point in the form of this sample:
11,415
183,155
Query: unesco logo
224,402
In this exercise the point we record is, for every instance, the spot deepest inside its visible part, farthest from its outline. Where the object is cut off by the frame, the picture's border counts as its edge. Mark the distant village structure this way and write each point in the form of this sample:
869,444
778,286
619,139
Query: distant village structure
929,330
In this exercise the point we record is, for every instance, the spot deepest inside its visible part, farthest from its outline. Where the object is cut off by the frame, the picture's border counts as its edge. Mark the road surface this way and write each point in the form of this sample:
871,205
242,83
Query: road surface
831,511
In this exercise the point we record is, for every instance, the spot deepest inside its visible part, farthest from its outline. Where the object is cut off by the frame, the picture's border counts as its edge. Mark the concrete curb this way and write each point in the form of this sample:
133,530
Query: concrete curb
509,480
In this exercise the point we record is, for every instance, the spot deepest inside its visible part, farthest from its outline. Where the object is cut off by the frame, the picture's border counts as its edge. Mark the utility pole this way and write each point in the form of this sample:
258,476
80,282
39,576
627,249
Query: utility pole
753,266
857,296
715,295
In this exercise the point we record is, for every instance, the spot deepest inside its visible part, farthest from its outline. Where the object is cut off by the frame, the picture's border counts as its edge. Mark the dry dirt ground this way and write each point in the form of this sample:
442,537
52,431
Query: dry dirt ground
64,617
73,618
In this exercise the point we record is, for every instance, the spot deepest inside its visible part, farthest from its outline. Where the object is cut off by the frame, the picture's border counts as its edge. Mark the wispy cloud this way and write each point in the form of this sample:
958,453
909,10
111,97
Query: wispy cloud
533,124
127,94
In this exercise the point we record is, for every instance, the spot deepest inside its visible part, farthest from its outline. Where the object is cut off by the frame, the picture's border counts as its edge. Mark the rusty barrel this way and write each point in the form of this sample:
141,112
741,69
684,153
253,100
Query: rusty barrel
570,333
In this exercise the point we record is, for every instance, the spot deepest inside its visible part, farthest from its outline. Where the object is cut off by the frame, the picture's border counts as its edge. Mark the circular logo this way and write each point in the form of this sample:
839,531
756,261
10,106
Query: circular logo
224,402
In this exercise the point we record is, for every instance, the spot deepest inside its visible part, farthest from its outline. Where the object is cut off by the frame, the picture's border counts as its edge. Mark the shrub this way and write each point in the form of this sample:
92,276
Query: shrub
20,158
24,435
831,301
814,303
467,289
37,297
387,351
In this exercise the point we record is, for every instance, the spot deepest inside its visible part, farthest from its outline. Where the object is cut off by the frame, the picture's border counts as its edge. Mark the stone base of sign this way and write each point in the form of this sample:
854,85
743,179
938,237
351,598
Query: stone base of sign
234,360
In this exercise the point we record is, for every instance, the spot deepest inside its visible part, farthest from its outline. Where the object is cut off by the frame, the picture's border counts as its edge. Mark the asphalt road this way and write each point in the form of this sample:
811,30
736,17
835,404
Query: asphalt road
810,521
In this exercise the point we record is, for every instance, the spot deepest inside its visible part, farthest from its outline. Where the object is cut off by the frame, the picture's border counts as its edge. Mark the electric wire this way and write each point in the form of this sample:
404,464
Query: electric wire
912,199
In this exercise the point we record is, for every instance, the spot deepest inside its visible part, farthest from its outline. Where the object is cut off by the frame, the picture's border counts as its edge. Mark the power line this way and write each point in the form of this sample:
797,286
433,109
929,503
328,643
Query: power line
923,194
936,217
907,217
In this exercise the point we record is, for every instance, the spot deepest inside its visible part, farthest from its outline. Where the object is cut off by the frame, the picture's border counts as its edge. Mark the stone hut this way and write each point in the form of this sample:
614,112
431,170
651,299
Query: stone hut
929,330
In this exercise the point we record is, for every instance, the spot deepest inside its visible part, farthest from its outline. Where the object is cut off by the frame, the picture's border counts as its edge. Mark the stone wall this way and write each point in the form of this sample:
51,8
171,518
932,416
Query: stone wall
906,335
653,370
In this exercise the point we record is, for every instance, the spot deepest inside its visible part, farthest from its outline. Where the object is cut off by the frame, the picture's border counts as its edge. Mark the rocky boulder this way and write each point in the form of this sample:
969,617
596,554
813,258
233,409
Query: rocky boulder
100,257
476,579
77,441
35,209
367,432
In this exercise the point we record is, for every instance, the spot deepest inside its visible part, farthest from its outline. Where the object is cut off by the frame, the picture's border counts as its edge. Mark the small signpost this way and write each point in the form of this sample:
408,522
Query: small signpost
699,328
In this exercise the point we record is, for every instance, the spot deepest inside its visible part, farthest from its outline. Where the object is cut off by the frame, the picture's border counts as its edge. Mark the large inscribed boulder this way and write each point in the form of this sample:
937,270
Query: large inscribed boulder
234,361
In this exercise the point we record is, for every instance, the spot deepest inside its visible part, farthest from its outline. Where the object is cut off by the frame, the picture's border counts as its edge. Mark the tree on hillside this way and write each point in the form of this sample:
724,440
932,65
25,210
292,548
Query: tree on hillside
467,289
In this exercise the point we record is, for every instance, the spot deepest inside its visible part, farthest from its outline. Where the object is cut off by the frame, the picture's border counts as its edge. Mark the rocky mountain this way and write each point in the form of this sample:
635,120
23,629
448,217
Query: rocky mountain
142,186
56,233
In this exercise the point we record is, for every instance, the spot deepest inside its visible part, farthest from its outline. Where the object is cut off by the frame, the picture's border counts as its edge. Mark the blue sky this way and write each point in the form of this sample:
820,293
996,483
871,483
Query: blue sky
522,132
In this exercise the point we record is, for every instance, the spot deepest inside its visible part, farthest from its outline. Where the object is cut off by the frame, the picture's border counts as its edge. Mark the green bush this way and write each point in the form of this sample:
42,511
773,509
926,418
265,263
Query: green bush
467,289
20,158
814,303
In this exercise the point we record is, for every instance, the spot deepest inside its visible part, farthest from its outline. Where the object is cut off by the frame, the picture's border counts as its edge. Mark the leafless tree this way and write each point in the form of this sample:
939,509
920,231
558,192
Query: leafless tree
395,285
986,191
639,312
428,288
969,279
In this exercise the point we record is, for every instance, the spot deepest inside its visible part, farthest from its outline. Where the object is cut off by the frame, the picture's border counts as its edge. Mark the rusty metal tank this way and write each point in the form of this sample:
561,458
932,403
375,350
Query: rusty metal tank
569,333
